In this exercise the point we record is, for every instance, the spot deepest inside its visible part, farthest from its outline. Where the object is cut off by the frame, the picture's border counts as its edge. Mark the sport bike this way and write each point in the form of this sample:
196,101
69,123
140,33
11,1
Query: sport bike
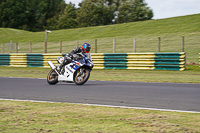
78,71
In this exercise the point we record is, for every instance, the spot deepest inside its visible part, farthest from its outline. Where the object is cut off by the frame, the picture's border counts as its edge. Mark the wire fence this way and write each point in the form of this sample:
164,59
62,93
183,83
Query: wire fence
105,45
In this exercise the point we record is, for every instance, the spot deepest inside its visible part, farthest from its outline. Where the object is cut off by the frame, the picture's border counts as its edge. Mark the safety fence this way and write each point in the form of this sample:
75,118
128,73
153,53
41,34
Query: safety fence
148,61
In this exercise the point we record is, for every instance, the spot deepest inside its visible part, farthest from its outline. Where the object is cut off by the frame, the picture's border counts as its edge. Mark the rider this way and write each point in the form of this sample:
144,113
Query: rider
85,48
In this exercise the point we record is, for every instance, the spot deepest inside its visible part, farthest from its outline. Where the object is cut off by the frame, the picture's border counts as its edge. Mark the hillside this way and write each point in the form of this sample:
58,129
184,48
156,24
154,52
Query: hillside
146,32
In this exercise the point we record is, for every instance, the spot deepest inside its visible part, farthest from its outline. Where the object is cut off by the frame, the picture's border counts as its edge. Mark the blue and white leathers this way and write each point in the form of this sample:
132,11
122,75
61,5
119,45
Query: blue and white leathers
76,71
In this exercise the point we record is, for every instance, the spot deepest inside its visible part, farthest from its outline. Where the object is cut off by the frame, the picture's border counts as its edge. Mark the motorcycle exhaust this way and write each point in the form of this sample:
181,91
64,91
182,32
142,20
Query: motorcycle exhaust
53,67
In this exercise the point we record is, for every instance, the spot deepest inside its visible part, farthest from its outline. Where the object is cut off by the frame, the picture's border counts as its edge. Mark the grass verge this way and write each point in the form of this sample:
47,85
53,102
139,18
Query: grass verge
170,30
191,75
32,117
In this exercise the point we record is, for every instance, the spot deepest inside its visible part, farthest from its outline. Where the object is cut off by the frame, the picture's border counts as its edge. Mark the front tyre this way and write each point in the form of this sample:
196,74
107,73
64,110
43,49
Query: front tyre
52,77
81,76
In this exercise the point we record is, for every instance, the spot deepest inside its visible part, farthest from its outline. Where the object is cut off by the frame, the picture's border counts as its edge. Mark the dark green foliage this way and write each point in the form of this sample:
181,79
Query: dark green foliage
133,10
28,15
38,15
68,18
65,20
94,13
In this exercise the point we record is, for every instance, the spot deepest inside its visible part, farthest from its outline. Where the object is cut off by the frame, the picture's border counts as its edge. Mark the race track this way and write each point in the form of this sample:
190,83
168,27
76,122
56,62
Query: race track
170,96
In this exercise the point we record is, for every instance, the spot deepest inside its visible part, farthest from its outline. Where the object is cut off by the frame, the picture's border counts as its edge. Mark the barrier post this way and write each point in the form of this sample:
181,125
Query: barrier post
60,46
95,45
2,48
30,47
134,45
159,40
45,40
114,45
45,47
16,47
10,46
183,42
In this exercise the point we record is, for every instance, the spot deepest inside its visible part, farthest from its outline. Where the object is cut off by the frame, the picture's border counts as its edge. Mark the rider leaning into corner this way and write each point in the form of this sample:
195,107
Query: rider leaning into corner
84,49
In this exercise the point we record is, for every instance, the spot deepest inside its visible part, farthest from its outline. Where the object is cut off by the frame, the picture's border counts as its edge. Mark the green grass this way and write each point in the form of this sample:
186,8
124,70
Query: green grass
191,75
32,117
63,117
146,33
171,26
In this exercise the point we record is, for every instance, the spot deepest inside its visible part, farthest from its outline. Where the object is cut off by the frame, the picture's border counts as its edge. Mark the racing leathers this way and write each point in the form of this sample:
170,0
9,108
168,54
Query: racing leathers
72,55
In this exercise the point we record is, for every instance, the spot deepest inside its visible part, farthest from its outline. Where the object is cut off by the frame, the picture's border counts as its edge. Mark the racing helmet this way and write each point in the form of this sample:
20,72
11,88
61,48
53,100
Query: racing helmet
86,47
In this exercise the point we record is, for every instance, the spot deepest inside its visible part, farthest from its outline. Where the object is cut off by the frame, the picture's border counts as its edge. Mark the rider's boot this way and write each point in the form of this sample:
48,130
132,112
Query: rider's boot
59,67
66,60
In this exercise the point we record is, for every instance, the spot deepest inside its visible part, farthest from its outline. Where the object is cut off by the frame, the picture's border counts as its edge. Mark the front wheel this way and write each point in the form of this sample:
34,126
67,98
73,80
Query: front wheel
52,77
81,76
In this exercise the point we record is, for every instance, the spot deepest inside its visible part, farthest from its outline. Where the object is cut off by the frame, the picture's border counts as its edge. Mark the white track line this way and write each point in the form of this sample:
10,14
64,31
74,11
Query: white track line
107,81
113,106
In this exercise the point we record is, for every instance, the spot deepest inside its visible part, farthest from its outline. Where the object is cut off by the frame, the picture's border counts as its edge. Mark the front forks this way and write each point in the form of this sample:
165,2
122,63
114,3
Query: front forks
81,72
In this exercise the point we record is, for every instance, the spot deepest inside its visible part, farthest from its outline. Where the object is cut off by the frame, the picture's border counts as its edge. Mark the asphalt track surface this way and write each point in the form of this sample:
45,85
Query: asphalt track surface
170,96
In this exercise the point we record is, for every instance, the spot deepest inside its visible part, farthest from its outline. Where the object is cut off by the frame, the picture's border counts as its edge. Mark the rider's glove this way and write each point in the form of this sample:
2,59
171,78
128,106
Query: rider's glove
75,56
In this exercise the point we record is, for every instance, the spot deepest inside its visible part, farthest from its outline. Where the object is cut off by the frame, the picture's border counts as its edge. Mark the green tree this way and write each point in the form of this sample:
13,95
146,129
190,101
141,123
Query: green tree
94,13
38,15
65,20
28,14
47,10
53,22
68,18
133,10
12,13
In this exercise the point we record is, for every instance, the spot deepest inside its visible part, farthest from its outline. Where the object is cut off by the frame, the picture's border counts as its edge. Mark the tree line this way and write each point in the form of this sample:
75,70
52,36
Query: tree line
38,15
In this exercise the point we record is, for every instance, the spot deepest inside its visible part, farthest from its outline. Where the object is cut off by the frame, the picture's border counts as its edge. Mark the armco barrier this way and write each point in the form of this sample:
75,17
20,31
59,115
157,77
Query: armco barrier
149,61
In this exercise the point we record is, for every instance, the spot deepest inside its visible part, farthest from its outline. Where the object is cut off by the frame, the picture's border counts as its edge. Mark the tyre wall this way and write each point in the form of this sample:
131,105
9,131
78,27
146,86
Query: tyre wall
148,61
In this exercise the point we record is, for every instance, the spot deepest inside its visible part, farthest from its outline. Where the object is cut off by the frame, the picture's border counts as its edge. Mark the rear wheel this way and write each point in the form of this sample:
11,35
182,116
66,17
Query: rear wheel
52,77
81,76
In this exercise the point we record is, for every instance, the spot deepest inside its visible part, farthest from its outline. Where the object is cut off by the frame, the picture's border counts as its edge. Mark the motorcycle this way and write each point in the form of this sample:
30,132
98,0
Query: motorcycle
78,71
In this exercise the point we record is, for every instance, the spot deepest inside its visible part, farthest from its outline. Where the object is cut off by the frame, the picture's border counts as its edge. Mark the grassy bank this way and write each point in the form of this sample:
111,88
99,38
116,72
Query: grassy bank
146,33
191,75
35,117
184,25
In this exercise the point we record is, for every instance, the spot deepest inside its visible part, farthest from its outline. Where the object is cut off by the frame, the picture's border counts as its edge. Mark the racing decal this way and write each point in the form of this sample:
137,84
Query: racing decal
69,69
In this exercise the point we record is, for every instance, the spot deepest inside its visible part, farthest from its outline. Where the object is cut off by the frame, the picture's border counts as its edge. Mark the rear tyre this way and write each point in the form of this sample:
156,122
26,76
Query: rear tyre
52,77
80,79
